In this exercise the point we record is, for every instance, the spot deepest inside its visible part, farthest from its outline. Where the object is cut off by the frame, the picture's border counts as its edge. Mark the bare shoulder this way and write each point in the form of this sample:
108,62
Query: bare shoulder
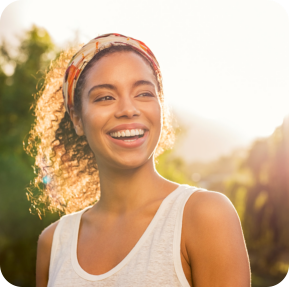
43,254
46,235
209,205
213,237
210,213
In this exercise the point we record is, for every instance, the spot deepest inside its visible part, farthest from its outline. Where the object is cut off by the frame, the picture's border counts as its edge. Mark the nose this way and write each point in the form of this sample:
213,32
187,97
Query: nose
127,108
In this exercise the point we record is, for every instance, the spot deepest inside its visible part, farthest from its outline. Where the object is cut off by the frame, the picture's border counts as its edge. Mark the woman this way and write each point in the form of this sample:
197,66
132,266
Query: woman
144,230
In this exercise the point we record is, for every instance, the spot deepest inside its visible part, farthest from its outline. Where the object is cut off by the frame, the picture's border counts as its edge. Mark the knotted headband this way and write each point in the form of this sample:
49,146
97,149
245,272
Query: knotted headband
88,51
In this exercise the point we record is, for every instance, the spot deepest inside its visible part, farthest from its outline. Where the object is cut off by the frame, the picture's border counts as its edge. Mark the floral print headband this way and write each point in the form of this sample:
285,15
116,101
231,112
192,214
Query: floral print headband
87,52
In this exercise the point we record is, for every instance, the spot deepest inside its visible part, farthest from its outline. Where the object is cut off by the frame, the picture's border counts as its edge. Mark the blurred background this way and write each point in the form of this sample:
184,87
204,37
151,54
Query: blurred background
226,80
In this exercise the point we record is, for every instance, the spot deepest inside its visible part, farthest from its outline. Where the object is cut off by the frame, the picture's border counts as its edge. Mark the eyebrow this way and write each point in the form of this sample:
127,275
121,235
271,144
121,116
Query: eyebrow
103,86
112,87
143,82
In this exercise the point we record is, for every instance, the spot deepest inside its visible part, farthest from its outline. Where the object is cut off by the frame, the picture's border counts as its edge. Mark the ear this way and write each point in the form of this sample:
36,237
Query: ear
77,122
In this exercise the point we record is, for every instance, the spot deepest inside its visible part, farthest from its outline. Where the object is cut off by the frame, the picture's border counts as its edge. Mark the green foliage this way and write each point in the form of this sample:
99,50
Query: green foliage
19,229
267,204
174,169
16,91
259,189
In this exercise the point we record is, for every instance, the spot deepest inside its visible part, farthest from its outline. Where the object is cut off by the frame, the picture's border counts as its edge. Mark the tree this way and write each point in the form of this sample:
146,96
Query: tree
264,199
20,229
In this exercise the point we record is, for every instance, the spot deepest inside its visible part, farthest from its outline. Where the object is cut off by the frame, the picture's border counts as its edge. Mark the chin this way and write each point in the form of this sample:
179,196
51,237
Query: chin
132,162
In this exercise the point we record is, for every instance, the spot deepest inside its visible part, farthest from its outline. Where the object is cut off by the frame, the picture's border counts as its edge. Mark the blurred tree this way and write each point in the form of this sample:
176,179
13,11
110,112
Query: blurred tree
30,63
267,205
263,200
174,168
21,76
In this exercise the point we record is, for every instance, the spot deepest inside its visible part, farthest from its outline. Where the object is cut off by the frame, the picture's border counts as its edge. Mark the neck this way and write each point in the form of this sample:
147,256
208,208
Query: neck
125,190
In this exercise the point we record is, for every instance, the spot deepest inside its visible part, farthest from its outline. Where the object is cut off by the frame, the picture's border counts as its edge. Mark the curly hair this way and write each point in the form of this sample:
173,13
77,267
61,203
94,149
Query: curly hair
67,178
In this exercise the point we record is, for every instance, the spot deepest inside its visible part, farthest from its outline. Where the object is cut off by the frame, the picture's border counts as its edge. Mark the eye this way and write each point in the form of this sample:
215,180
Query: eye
106,98
145,95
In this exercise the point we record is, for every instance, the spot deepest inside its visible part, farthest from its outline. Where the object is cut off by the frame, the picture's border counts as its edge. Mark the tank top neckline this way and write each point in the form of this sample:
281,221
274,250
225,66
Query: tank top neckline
77,268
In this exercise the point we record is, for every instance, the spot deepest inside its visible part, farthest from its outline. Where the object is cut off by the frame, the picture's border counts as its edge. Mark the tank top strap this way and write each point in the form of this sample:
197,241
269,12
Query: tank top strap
62,237
181,202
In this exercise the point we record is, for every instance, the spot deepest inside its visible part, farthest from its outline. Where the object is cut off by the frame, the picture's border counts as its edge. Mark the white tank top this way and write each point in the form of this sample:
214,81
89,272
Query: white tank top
154,261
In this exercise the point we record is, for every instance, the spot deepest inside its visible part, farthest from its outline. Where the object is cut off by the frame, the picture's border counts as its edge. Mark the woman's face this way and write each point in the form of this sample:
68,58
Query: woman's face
121,112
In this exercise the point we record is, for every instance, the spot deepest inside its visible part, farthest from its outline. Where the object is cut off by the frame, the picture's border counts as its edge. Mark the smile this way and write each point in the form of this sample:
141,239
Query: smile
128,135
128,138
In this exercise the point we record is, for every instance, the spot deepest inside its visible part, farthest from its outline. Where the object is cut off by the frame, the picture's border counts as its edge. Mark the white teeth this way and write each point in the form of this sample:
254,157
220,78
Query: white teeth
127,133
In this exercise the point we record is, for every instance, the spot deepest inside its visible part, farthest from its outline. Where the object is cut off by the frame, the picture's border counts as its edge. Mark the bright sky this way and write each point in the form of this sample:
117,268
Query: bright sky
226,60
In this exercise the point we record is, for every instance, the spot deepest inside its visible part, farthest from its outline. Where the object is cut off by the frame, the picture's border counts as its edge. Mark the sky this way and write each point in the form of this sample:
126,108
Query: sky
225,60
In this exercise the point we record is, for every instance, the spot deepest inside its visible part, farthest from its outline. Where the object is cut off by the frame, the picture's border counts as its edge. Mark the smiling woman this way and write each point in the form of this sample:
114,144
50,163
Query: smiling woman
97,135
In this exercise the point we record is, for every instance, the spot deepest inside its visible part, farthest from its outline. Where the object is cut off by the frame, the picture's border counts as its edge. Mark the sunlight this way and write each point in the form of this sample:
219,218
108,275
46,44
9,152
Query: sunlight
234,74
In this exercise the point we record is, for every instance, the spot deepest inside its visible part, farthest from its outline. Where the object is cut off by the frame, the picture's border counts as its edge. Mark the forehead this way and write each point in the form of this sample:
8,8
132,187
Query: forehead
120,67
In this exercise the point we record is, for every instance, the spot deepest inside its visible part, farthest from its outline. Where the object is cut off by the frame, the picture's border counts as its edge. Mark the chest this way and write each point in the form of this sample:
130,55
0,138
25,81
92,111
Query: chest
103,247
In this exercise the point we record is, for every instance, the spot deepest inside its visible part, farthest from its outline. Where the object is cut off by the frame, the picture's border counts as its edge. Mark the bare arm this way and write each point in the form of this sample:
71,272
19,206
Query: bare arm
43,255
214,242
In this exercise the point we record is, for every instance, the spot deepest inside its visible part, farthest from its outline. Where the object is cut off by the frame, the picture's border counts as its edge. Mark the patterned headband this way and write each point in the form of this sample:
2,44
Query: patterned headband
87,52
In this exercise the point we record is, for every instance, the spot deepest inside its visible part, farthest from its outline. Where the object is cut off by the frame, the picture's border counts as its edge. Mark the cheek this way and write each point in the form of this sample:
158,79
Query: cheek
93,121
155,114
94,117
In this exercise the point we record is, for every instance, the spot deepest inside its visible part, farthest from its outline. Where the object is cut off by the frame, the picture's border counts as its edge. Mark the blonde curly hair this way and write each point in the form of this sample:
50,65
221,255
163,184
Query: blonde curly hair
67,178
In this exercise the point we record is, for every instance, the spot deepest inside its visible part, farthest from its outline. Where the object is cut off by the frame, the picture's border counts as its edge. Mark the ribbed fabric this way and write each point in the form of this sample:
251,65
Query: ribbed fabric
154,261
